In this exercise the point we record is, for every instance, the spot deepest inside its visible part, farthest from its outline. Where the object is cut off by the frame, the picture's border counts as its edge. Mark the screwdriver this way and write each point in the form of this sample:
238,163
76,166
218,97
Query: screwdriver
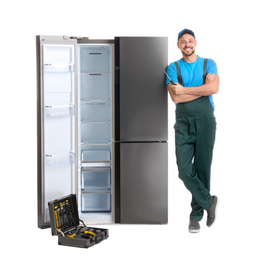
172,82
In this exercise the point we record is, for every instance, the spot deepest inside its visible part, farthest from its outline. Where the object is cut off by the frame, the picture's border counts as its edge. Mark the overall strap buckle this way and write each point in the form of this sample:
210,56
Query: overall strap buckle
179,77
204,70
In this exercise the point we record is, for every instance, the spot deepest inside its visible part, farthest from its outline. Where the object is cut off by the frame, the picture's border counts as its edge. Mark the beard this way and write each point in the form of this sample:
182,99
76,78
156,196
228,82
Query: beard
188,54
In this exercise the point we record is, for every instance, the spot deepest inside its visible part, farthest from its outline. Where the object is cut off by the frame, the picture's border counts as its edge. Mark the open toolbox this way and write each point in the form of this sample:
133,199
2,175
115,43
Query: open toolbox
65,223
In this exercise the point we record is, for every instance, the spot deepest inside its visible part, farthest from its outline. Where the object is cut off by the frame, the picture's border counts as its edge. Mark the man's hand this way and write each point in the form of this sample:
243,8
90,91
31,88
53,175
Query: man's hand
209,78
177,89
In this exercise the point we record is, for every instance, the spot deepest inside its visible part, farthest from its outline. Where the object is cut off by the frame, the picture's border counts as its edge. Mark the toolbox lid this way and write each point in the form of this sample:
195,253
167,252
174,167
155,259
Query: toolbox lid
63,214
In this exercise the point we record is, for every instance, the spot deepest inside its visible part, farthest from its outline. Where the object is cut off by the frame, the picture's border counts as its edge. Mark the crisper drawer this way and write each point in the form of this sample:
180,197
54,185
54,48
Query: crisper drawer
96,202
95,59
95,179
96,112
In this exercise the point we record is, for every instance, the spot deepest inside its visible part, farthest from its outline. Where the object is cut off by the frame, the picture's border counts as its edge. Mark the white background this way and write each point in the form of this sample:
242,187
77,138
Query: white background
224,32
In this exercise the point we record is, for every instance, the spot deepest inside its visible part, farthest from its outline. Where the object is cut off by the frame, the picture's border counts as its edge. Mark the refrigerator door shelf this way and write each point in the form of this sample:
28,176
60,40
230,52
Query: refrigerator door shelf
59,68
59,159
59,111
96,202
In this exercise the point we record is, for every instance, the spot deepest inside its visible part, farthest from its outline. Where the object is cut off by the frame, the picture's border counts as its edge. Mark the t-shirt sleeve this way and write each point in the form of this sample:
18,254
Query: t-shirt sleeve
172,72
211,67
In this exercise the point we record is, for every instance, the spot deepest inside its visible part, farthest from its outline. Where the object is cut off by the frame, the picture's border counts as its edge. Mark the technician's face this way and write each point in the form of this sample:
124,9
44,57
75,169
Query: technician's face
187,44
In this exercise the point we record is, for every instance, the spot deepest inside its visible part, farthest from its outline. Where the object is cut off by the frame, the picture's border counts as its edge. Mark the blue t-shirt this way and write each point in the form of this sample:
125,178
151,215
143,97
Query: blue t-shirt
192,73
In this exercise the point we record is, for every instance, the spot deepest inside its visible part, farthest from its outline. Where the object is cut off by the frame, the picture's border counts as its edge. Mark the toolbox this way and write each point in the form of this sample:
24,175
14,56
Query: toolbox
65,224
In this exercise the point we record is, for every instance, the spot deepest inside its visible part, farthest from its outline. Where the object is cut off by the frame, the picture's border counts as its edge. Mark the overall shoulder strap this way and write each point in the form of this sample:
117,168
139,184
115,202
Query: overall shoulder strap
179,77
204,70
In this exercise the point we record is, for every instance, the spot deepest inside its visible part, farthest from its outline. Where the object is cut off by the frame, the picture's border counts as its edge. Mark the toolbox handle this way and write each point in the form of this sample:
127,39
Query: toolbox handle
60,232
98,238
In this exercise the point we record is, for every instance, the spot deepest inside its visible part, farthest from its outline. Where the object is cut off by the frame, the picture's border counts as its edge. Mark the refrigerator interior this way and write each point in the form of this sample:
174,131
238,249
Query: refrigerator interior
58,110
95,174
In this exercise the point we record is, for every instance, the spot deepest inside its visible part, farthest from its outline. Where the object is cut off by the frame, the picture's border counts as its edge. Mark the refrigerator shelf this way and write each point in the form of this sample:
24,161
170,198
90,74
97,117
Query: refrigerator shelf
59,111
95,190
94,101
96,163
59,159
95,122
94,142
95,73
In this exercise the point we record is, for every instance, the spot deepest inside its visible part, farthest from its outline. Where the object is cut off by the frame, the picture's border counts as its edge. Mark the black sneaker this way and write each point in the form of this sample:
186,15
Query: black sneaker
211,212
194,226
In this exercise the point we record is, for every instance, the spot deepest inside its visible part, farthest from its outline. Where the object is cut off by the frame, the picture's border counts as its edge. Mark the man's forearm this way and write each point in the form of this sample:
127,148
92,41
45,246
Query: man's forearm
204,90
181,98
185,98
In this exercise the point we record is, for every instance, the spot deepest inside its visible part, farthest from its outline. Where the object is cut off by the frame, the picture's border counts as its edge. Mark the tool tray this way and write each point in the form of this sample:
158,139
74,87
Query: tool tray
65,224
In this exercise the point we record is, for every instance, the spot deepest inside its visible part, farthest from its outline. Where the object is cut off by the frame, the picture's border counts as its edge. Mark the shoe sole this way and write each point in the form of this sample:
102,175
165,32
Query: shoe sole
194,231
215,211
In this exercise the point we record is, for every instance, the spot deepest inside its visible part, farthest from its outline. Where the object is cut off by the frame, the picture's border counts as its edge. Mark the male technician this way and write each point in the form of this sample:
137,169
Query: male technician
195,125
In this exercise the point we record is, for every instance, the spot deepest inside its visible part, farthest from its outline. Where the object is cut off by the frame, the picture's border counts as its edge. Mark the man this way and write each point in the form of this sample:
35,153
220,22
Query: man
195,125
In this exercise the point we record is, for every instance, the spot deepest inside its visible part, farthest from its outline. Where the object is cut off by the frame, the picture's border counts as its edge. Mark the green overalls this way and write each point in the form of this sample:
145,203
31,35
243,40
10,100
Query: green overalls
195,136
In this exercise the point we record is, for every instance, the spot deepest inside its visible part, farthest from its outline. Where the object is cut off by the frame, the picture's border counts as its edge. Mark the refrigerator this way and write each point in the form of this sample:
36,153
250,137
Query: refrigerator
102,127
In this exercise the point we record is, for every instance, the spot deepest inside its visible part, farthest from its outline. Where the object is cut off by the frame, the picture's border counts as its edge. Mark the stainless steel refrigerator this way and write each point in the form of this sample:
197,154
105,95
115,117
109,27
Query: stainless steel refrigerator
102,127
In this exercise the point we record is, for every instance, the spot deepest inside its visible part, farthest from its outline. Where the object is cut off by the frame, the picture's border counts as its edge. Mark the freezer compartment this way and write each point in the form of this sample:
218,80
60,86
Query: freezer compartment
59,159
95,58
95,86
59,111
96,133
96,112
141,178
96,179
96,202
